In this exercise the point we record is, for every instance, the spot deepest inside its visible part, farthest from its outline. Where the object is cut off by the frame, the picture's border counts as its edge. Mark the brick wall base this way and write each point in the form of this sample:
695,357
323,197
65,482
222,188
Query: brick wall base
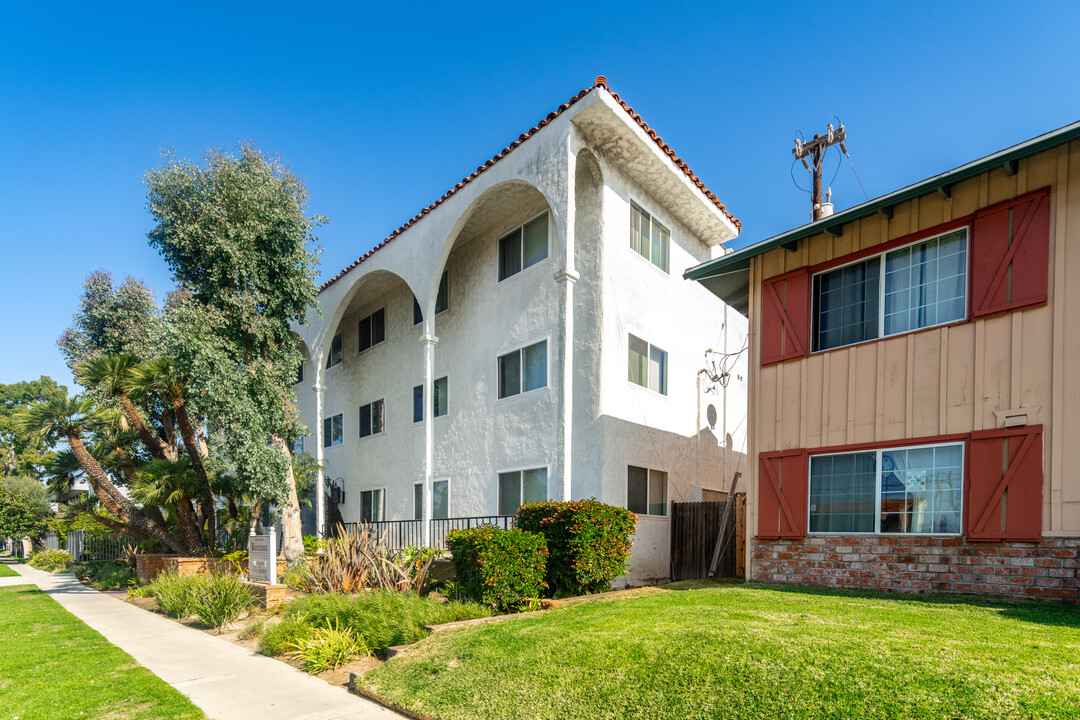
148,566
1047,569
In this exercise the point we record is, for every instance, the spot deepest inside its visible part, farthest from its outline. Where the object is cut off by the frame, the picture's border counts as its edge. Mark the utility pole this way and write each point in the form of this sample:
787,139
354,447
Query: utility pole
815,150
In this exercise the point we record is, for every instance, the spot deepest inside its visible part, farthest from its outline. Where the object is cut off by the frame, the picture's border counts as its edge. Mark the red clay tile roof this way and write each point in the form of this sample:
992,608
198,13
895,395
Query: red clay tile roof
600,81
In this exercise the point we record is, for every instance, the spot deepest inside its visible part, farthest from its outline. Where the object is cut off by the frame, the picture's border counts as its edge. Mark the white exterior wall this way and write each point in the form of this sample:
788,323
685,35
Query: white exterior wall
614,423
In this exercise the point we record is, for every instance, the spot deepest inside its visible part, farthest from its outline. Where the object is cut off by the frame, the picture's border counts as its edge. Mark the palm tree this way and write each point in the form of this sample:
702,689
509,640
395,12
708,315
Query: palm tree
172,485
67,417
159,377
112,373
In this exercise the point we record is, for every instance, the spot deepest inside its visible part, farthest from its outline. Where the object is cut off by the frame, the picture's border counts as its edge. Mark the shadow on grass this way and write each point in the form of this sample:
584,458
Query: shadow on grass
1043,612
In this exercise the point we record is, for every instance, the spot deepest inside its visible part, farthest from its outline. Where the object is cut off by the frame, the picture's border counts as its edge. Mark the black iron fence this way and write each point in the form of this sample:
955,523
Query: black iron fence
400,534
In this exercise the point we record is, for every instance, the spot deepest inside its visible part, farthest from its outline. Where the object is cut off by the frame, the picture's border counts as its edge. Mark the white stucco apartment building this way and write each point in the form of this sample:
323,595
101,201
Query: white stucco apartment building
530,336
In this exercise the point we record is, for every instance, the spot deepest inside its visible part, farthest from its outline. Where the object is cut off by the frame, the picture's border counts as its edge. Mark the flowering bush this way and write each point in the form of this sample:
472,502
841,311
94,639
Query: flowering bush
588,542
51,561
500,568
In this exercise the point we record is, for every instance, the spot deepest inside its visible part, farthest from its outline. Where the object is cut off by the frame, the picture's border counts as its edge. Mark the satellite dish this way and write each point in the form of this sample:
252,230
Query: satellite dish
710,413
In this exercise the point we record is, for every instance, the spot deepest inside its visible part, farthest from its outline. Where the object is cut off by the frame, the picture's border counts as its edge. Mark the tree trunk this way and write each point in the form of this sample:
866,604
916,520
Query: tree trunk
188,527
292,540
137,524
155,445
191,444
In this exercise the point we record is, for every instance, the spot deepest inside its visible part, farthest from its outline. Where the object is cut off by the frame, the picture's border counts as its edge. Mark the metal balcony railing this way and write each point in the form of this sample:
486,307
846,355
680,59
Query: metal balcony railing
400,534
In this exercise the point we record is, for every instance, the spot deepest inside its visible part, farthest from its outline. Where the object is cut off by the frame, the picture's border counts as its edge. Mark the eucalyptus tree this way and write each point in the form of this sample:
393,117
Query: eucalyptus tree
235,234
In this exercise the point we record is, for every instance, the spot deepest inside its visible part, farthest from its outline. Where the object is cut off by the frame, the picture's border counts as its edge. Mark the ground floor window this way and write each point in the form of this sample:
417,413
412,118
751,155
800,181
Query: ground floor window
912,490
646,491
440,500
373,505
518,487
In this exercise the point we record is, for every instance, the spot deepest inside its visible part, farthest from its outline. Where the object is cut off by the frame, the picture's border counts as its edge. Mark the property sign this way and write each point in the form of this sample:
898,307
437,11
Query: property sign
259,557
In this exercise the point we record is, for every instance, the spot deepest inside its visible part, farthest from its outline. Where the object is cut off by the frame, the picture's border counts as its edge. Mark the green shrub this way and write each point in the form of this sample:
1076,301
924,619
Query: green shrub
294,575
312,544
588,542
279,637
218,598
104,575
252,630
173,594
500,568
51,560
327,647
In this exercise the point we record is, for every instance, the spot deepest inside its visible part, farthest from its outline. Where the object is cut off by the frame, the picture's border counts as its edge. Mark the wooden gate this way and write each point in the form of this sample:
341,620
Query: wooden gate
695,527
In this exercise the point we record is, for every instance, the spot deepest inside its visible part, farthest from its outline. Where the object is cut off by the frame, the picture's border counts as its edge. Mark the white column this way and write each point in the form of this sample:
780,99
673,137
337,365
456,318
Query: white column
320,455
566,279
429,341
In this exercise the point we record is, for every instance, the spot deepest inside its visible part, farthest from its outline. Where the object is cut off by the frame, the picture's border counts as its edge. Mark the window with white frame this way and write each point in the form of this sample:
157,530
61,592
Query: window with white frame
524,247
649,238
333,430
523,370
442,300
373,505
518,487
440,399
440,500
912,490
298,446
373,329
372,418
648,365
336,351
916,286
646,491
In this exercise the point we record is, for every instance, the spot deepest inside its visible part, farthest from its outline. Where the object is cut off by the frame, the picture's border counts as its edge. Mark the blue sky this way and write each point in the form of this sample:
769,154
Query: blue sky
382,109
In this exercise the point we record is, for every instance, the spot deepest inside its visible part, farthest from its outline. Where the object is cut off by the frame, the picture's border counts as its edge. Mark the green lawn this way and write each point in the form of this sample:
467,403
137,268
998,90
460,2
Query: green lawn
5,571
53,666
741,651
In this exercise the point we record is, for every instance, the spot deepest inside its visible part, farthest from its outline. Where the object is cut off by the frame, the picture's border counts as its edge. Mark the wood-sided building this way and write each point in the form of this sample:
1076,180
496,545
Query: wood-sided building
914,394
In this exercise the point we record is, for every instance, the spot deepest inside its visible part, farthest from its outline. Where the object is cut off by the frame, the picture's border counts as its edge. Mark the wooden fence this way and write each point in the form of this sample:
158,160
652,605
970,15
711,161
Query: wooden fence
695,527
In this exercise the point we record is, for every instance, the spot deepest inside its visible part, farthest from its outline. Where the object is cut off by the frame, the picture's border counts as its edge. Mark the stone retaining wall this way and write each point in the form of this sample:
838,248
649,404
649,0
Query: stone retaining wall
1047,569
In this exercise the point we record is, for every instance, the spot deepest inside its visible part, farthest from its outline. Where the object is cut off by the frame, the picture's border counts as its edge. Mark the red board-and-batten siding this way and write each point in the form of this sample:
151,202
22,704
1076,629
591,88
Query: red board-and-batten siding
944,381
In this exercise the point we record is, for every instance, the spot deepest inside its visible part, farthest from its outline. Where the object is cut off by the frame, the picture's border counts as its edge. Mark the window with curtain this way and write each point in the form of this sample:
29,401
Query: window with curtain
523,370
440,500
649,238
914,490
519,487
647,365
916,286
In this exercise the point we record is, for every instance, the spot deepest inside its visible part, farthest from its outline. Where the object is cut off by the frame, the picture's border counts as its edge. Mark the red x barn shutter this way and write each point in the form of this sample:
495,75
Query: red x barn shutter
785,317
1010,251
1004,484
782,493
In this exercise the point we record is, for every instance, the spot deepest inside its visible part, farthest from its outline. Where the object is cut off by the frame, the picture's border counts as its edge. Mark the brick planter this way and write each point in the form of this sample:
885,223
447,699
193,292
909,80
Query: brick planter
149,566
269,596
1047,569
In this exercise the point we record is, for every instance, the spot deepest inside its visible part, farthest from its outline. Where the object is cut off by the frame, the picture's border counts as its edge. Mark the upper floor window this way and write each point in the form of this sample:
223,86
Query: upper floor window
523,370
518,487
440,400
299,373
648,365
373,329
916,286
333,430
903,490
298,446
646,491
442,300
372,418
649,238
336,351
524,247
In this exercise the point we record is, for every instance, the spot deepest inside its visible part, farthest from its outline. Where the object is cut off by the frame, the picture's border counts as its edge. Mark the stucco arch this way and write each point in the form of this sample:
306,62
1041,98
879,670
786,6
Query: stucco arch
487,214
366,286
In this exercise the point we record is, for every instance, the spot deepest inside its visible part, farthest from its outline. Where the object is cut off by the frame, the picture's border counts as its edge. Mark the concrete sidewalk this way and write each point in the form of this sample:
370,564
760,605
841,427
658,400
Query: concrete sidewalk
226,681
